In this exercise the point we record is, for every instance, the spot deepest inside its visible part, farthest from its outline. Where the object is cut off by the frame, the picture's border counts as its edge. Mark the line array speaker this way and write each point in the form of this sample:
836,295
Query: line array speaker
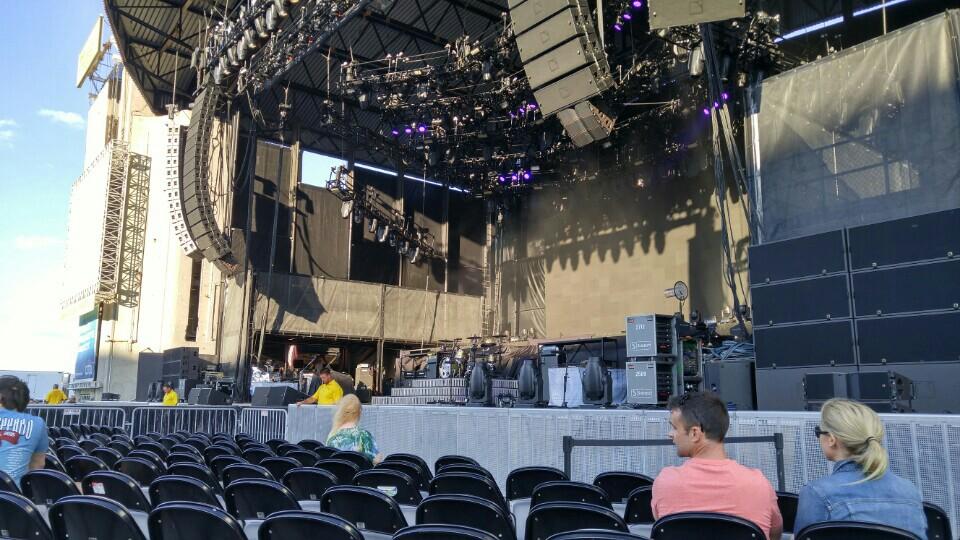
909,339
919,238
585,123
808,256
922,287
667,13
172,190
819,344
798,301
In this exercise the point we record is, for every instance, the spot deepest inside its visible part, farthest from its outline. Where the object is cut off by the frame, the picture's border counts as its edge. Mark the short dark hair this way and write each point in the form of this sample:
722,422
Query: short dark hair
14,394
323,371
704,409
166,385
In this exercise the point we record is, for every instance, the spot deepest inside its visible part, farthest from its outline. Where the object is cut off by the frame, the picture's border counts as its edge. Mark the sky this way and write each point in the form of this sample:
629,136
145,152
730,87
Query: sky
42,139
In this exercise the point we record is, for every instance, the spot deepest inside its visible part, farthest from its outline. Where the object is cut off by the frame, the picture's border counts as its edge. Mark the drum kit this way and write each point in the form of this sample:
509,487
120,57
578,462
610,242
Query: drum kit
455,360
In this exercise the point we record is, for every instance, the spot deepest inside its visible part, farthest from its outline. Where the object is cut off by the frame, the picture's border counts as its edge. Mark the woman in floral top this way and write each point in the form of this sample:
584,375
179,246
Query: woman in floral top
347,435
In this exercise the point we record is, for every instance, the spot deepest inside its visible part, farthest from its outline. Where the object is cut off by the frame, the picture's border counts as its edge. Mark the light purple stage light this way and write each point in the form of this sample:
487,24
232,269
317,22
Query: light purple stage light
513,177
502,178
526,175
617,27
716,104
627,16
532,106
407,130
725,96
706,111
394,132
422,129
637,4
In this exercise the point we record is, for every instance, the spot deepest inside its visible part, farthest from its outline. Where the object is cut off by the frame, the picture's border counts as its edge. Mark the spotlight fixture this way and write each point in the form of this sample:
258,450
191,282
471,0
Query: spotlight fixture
373,225
358,216
627,16
413,253
382,232
345,208
637,4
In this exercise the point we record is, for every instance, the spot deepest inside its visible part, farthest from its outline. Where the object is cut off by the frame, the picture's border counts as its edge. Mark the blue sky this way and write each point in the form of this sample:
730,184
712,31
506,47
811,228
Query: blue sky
42,123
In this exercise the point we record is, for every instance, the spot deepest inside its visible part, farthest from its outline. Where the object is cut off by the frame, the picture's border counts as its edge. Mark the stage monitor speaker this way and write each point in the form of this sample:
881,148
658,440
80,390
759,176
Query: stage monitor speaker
819,344
207,396
909,339
905,289
733,381
283,396
669,13
918,238
823,386
194,396
807,256
798,301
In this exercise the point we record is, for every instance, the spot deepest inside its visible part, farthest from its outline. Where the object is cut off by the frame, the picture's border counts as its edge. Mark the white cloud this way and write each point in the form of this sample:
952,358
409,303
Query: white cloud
6,135
5,122
69,118
27,242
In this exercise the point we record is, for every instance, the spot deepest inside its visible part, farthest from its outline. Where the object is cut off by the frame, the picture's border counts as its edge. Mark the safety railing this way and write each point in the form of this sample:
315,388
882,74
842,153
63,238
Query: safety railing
263,424
194,419
69,415
569,443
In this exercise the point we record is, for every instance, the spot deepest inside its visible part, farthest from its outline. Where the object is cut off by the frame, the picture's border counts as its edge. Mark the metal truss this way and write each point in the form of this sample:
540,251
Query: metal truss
113,212
134,230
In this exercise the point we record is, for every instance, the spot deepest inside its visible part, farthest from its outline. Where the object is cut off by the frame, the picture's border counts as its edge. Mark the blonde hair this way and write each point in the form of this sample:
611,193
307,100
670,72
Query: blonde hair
348,410
860,431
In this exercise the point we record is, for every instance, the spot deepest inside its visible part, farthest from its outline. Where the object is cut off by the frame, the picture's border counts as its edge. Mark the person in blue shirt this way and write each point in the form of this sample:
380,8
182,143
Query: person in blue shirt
23,437
861,487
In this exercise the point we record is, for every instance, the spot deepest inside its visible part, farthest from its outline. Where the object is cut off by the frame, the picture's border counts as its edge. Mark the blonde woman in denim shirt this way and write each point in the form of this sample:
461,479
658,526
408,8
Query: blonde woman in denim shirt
860,488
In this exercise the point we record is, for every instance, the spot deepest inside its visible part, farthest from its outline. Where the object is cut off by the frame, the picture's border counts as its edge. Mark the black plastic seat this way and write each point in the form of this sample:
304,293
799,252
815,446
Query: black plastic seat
117,487
141,470
193,521
325,452
89,516
640,512
548,519
257,499
275,443
848,530
107,455
103,438
198,443
285,448
298,525
52,462
124,447
451,459
80,466
358,459
367,508
140,439
693,524
787,503
20,519
468,511
181,448
45,486
596,534
442,532
171,488
219,463
521,482
279,466
183,457
311,444
168,442
306,458
343,470
567,491
150,456
67,451
7,483
401,486
465,468
308,483
218,450
244,471
155,447
256,455
410,469
468,484
938,524
195,470
89,444
620,484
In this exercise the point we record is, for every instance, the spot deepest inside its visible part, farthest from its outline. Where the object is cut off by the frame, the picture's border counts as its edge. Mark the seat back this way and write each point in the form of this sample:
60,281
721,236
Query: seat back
468,484
67,451
567,491
639,509
306,458
80,466
148,455
595,534
244,471
20,519
45,486
465,468
7,483
468,511
91,516
548,519
168,442
619,484
275,443
183,448
413,459
53,462
398,485
193,521
451,459
787,503
124,447
195,470
279,466
366,508
219,463
171,488
311,444
89,444
325,452
183,457
848,530
285,448
938,524
117,487
343,470
442,532
358,459
521,482
410,469
298,525
218,450
692,524
257,499
107,455
256,455
155,447
141,470
308,483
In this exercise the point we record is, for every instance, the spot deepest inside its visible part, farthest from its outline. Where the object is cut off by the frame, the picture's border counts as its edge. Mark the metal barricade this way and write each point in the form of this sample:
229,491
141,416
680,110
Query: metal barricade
263,424
69,415
191,418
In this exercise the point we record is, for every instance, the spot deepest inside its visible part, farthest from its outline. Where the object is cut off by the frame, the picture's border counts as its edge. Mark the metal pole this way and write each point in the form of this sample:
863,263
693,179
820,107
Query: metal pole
781,476
567,454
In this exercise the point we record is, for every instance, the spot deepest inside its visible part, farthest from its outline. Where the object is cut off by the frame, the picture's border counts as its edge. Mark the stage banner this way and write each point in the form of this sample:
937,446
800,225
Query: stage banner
86,366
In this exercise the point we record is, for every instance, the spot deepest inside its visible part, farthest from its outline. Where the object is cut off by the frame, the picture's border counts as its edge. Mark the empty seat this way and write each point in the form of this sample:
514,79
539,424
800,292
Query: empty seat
298,525
255,500
80,466
170,488
193,521
398,485
279,466
183,457
283,449
548,519
410,469
7,483
787,503
141,470
308,485
256,455
66,452
45,487
182,448
150,456
20,519
442,532
468,484
343,470
310,444
620,484
107,455
198,443
53,462
596,534
938,524
358,459
92,517
451,459
848,530
521,482
155,447
219,463
89,444
325,452
465,468
368,509
307,458
687,525
168,442
567,491
244,471
102,438
638,513
275,443
468,511
218,450
195,470
121,488
124,447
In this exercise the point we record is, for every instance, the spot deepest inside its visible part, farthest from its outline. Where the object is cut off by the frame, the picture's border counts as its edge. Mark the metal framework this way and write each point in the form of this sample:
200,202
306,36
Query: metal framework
134,230
113,213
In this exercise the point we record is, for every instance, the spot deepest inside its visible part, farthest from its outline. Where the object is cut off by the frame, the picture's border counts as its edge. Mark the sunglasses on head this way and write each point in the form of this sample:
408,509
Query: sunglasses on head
818,432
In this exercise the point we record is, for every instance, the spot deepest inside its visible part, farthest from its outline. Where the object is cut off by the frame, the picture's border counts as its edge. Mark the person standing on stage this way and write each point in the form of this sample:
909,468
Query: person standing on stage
55,396
23,437
170,397
329,392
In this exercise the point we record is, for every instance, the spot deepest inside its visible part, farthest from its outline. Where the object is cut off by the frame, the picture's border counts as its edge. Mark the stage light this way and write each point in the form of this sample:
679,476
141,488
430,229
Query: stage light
618,27
637,4
526,175
382,232
627,16
395,132
260,25
413,253
502,178
408,130
345,208
706,111
273,18
403,247
358,216
725,96
716,104
422,129
250,34
393,239
281,8
373,225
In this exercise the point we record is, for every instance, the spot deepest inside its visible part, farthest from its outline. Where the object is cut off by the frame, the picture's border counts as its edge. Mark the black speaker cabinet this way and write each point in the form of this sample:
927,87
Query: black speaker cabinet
904,289
909,339
207,396
918,238
798,301
807,256
284,395
667,13
818,344
261,395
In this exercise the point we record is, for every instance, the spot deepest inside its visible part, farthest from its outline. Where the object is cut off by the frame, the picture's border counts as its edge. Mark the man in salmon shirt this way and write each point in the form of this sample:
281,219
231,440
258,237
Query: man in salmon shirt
709,481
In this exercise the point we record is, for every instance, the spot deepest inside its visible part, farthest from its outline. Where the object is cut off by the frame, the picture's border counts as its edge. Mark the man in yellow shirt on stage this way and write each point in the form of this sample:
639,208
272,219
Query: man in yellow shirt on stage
329,392
170,398
55,396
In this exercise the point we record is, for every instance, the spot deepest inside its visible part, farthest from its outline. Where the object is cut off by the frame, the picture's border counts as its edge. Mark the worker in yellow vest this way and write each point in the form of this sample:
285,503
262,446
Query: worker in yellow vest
170,397
55,396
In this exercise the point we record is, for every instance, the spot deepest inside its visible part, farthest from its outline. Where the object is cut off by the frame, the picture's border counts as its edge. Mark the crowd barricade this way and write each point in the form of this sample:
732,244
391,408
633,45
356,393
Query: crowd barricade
68,415
190,418
263,424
